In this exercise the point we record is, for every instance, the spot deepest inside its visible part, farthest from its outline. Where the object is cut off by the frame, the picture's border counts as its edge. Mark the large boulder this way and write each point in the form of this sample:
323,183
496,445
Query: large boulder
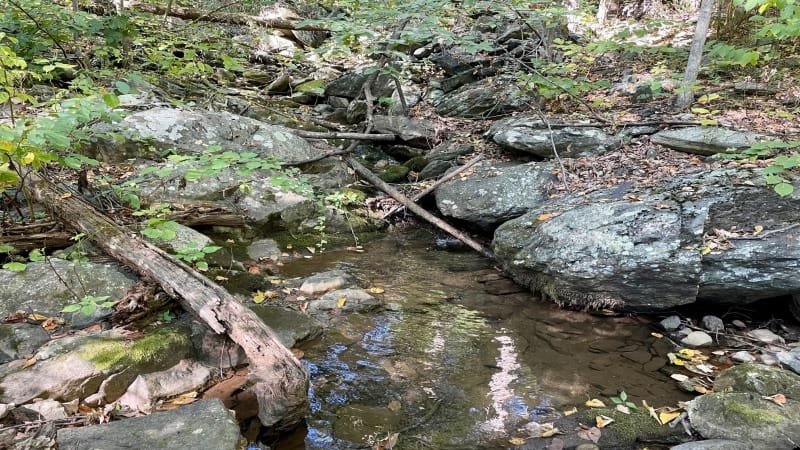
495,194
706,140
737,410
417,132
658,248
192,131
496,97
203,424
530,134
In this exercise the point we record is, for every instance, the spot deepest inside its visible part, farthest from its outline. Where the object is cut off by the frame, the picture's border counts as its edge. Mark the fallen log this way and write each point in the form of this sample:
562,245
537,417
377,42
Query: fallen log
281,381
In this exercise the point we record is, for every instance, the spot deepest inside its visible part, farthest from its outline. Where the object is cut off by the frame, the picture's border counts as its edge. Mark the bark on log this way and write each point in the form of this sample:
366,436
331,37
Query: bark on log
220,17
281,381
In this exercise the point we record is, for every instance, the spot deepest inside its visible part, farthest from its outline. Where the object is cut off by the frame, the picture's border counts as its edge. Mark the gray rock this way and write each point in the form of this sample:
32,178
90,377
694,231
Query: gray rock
743,357
697,339
768,359
263,249
357,300
48,409
417,132
671,323
712,444
529,134
205,424
713,324
192,131
765,336
495,194
149,388
706,140
76,366
495,97
349,85
791,359
758,379
433,169
603,250
289,325
326,281
185,237
40,288
747,418
19,340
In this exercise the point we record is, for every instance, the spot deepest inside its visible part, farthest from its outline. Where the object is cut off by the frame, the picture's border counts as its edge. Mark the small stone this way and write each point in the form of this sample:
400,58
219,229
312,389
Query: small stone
765,336
325,281
48,409
768,359
713,324
738,324
671,323
790,359
743,357
697,339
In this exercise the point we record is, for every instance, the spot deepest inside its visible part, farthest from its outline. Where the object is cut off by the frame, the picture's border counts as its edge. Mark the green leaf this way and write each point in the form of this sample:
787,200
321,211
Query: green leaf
623,396
122,87
89,309
210,249
71,308
784,189
111,100
6,248
15,266
36,255
774,179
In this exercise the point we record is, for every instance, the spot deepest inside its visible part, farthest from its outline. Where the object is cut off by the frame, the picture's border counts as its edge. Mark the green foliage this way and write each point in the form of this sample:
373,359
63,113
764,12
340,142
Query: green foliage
781,170
622,399
195,255
157,226
89,304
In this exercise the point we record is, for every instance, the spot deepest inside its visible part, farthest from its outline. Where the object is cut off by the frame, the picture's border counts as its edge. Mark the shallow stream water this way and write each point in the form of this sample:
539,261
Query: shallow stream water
459,357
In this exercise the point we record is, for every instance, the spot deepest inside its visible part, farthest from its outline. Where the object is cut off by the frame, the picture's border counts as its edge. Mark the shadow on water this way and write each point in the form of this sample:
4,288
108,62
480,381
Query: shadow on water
457,359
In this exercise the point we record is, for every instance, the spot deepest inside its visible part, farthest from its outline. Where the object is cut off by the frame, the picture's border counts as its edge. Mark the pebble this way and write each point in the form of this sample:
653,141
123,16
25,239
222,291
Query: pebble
765,336
768,359
671,323
713,324
697,339
743,357
738,324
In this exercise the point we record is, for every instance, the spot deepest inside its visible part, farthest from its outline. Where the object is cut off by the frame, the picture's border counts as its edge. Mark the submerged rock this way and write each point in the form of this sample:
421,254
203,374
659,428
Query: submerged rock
203,424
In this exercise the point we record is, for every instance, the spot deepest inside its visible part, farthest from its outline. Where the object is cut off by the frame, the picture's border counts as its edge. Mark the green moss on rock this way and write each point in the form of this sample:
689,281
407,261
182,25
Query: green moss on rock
393,173
162,348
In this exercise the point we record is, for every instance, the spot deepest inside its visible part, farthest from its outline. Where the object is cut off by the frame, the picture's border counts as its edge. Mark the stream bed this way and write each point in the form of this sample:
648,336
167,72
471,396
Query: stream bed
459,357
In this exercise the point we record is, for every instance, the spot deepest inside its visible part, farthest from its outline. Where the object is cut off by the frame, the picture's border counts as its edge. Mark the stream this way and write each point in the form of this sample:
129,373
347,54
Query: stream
460,357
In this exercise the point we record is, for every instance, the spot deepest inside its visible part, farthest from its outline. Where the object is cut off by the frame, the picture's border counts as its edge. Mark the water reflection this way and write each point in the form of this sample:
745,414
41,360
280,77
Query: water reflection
450,364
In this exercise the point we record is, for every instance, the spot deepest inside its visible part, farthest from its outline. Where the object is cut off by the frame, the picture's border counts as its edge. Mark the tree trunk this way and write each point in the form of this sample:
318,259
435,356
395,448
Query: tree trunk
281,381
686,96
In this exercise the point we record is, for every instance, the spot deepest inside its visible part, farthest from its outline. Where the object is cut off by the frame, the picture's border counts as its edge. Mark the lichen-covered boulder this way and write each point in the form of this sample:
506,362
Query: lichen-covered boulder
706,140
485,99
530,134
651,249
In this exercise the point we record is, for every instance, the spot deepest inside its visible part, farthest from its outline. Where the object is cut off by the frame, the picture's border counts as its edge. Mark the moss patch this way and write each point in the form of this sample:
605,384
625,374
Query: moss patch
752,415
627,428
162,348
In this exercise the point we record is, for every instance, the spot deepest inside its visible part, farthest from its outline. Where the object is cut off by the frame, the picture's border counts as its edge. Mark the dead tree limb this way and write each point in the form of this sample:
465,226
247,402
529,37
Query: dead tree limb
416,209
281,381
220,17
418,196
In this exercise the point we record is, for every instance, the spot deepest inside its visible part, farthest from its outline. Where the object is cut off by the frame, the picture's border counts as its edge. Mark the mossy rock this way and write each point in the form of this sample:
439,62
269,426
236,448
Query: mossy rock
314,87
628,429
393,173
417,163
160,349
759,379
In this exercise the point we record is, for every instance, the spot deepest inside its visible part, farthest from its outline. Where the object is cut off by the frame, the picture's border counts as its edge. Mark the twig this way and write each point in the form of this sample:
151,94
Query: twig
555,152
435,185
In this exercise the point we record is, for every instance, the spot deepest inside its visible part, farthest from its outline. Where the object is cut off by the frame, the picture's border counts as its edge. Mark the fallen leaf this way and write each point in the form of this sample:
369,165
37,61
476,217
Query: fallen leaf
666,417
679,377
311,250
778,399
603,421
595,403
590,434
303,306
656,335
544,217
376,290
275,281
255,270
29,362
340,303
289,246
516,441
37,317
66,195
259,297
623,409
548,430
220,278
570,412
757,229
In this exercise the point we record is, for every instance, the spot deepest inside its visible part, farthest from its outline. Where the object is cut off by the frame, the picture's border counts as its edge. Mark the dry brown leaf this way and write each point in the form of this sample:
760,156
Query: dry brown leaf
778,399
603,421
516,441
590,434
595,403
666,417
544,217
